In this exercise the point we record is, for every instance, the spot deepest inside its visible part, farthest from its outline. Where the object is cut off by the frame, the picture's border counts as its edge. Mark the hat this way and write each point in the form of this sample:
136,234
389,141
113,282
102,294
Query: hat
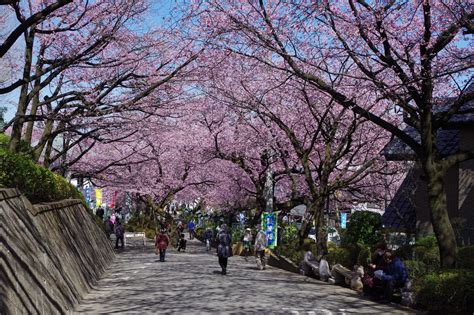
247,229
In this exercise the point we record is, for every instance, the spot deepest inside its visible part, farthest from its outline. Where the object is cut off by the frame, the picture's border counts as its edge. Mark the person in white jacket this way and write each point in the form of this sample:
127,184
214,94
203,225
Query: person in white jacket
261,243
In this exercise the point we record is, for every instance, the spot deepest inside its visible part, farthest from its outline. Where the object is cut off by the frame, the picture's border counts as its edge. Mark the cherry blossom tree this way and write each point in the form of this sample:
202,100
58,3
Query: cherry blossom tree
90,66
412,56
333,149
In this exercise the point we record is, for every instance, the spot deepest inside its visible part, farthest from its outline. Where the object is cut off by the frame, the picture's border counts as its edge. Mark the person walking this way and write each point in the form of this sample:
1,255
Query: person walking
247,239
261,242
191,227
109,227
224,247
100,213
161,243
113,217
208,238
119,233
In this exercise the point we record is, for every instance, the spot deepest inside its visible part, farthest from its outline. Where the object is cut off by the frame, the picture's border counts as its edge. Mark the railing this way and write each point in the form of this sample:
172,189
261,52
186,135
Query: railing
134,235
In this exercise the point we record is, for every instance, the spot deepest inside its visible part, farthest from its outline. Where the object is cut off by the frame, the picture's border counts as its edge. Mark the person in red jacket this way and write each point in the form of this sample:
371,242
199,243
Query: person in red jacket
161,243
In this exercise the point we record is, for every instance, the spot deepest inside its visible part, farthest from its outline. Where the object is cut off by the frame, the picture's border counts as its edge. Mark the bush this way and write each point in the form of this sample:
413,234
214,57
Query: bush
292,250
449,291
416,269
237,234
427,251
340,255
24,147
363,228
37,183
466,257
364,256
289,233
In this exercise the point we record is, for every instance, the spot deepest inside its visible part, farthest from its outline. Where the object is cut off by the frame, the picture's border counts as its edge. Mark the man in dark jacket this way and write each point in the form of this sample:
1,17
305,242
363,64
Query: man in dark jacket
224,247
100,213
395,276
119,234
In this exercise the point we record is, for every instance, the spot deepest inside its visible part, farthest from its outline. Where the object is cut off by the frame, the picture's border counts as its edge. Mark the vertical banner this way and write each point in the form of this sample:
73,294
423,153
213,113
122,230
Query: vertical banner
98,197
128,203
87,195
114,198
343,220
270,226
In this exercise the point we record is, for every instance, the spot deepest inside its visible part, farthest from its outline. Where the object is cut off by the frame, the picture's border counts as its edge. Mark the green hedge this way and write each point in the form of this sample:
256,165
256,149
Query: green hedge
364,228
449,291
340,255
37,183
24,147
466,257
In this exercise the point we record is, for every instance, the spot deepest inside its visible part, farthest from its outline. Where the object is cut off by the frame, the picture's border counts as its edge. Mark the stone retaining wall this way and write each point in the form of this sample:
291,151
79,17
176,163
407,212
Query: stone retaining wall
50,254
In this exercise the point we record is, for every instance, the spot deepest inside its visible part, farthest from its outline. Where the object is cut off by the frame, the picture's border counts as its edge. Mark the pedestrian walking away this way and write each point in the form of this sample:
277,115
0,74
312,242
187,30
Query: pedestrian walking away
208,238
161,244
261,243
224,247
119,232
109,227
100,213
191,227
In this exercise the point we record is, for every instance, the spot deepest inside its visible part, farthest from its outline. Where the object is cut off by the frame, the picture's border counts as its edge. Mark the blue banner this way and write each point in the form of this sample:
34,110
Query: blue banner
87,195
270,226
343,220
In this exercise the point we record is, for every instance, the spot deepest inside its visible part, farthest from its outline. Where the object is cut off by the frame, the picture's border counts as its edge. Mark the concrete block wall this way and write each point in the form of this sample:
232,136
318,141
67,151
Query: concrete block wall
50,254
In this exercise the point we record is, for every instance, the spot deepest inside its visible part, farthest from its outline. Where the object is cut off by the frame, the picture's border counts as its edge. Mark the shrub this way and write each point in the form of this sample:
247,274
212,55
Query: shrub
466,257
416,269
340,255
363,228
449,291
364,256
292,250
37,183
237,234
289,233
427,251
24,147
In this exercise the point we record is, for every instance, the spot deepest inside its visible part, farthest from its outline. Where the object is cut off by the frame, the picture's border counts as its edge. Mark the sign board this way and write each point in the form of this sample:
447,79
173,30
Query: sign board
343,220
270,226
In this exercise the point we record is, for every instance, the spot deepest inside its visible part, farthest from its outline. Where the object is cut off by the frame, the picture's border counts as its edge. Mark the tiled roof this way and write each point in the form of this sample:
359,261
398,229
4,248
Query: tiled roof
397,150
448,137
401,214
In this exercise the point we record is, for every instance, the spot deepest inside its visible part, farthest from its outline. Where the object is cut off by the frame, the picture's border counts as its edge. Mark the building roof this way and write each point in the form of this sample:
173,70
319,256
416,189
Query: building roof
397,150
447,138
400,213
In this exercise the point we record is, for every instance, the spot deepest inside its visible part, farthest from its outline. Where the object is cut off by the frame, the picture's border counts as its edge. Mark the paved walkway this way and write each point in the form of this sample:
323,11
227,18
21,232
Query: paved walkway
191,283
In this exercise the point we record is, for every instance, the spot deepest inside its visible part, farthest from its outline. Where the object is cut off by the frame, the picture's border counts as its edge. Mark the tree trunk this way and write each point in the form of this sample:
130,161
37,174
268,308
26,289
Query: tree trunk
17,126
439,215
321,230
36,95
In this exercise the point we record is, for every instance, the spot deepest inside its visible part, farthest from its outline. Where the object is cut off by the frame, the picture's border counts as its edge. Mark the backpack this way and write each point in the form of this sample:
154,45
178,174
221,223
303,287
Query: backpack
119,231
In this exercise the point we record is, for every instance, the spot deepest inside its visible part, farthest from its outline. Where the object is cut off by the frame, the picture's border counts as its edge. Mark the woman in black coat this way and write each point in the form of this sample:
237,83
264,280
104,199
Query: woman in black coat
224,247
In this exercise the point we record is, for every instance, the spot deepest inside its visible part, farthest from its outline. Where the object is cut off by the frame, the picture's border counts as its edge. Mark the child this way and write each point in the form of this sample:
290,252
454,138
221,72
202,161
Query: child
182,243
